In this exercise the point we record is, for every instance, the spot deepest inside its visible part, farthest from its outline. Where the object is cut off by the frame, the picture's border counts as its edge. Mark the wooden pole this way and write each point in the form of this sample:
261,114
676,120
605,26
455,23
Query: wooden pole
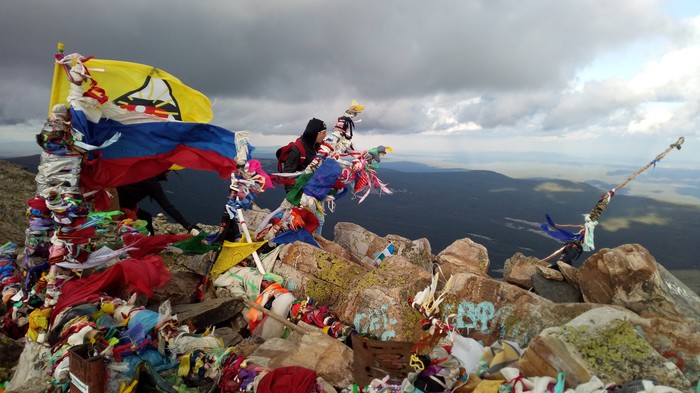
605,199
244,229
603,202
56,80
658,158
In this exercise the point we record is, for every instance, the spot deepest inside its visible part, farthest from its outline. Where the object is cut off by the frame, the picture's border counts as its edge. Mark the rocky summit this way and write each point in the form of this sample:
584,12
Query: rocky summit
355,313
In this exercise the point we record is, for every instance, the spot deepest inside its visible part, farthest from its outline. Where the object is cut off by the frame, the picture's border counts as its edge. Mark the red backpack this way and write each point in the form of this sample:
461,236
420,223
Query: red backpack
283,153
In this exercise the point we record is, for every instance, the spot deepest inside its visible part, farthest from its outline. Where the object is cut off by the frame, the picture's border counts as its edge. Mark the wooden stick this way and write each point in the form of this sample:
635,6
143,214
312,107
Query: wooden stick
553,254
602,203
676,145
244,229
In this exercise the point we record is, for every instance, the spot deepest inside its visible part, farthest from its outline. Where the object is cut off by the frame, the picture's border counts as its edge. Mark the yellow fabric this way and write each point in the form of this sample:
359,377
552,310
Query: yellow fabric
32,334
121,78
487,386
40,318
198,364
356,107
184,368
508,355
38,321
498,357
128,389
231,255
107,307
416,363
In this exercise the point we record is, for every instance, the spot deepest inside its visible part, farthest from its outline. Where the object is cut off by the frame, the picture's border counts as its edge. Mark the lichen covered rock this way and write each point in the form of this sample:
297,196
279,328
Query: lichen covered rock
604,343
378,305
312,272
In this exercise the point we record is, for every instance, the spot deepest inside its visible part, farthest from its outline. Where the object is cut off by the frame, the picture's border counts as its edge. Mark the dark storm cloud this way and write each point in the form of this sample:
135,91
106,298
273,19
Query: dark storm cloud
272,65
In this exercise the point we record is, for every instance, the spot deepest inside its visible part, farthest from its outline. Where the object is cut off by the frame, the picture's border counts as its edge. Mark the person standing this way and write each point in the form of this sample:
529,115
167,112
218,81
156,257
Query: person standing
130,195
304,149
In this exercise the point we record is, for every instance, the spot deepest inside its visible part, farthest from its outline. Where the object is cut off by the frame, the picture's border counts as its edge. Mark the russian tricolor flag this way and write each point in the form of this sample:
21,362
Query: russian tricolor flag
128,147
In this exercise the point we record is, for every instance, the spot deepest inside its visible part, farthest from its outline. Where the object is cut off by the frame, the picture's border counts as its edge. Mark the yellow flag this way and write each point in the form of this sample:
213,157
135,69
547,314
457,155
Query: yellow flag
231,255
139,87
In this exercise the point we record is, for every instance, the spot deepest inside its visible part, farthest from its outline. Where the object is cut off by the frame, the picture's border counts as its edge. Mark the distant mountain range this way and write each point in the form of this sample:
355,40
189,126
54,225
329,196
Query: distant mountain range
497,211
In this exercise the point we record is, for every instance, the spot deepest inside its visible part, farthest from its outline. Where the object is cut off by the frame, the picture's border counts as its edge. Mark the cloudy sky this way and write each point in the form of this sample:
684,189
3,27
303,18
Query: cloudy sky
453,82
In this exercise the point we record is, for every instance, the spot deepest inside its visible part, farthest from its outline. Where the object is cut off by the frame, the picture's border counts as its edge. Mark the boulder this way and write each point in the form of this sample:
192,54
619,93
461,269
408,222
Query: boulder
337,249
556,291
488,310
677,340
418,251
629,276
197,264
462,256
370,249
550,273
519,269
228,336
11,350
31,385
377,304
255,216
312,272
180,289
364,245
207,313
570,274
29,376
603,342
680,293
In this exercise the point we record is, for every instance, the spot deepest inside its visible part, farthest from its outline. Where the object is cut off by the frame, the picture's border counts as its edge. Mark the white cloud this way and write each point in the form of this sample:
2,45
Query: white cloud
443,116
652,120
677,69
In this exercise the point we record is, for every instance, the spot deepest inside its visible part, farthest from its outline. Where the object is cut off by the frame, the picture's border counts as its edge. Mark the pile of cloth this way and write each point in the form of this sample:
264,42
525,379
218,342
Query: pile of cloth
463,365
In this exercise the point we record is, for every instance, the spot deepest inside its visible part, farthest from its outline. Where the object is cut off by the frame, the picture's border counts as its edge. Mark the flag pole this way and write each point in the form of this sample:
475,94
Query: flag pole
658,158
57,74
240,139
602,203
244,229
234,209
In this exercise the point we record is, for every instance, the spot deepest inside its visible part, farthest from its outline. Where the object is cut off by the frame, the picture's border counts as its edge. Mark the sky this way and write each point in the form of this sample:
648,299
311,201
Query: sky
520,87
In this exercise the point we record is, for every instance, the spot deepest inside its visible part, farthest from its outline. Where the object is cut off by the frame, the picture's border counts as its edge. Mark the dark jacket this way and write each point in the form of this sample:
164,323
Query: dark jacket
294,160
130,196
308,140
